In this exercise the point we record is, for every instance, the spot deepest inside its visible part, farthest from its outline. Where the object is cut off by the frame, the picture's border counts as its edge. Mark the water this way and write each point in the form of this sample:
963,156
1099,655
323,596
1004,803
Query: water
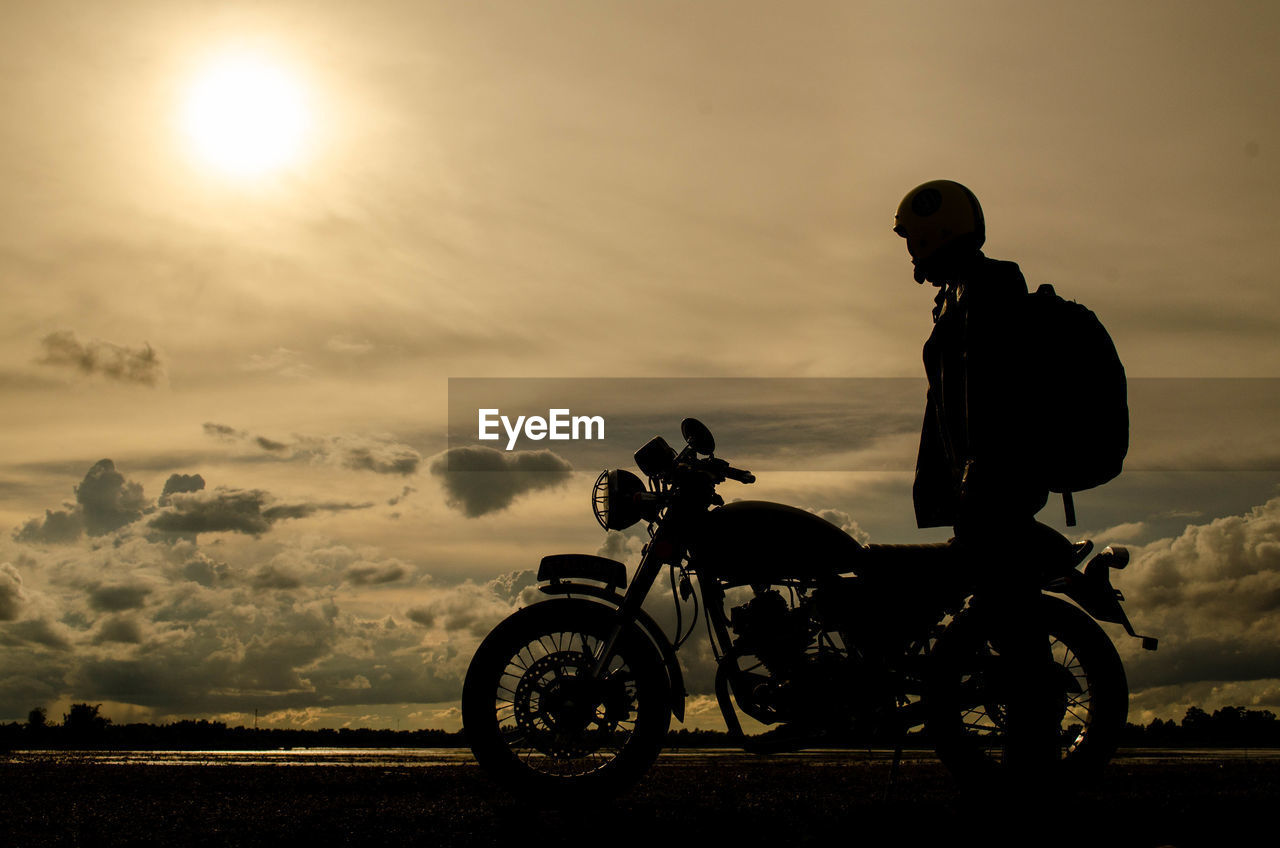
350,757
429,757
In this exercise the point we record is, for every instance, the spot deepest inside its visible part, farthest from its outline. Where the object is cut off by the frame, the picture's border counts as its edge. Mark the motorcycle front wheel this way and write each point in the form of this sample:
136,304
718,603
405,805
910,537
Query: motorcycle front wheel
967,714
542,725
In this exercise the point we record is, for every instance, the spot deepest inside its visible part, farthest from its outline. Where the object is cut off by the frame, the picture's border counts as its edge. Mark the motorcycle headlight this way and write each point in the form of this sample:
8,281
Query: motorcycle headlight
656,457
613,499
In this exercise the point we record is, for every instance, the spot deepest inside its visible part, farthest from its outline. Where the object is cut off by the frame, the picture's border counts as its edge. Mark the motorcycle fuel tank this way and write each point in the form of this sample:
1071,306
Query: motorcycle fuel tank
758,541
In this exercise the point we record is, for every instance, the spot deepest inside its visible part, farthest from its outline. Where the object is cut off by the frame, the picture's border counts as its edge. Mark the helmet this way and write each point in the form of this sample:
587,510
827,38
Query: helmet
940,220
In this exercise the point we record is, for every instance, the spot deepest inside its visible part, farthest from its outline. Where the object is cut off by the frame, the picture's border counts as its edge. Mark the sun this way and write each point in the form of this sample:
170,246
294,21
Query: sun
246,116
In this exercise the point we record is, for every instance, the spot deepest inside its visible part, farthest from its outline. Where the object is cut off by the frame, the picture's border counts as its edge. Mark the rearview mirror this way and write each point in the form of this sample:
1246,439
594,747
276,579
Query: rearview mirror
697,436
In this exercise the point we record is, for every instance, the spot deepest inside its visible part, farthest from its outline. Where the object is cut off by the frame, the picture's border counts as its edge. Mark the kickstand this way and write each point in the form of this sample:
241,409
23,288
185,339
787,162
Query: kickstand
893,769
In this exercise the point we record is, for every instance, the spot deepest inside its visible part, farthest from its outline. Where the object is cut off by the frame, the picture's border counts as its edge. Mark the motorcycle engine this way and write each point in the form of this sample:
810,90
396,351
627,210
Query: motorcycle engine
803,679
771,630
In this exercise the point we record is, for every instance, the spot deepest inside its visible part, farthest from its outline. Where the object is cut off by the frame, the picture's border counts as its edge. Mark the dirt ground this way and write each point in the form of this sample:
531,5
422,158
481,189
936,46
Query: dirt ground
722,800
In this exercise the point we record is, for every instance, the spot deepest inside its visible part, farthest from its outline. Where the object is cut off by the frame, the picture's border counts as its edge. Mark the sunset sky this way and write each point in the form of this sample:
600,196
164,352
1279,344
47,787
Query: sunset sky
433,190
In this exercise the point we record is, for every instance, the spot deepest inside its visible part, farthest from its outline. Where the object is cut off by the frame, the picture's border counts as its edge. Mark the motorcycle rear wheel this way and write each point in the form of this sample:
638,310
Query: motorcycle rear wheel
967,714
540,725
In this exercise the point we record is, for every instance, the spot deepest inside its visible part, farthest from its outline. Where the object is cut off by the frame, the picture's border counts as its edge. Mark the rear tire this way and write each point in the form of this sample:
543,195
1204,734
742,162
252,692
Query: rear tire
541,727
966,713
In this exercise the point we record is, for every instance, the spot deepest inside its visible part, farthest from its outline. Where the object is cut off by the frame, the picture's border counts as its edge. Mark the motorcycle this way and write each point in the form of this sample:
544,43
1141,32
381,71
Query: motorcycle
573,696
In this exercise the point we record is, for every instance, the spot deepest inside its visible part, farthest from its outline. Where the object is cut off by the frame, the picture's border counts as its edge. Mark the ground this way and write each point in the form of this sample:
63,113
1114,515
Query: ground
721,799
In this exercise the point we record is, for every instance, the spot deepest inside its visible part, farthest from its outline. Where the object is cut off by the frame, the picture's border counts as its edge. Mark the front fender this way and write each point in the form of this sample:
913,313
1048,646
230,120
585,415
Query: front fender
605,596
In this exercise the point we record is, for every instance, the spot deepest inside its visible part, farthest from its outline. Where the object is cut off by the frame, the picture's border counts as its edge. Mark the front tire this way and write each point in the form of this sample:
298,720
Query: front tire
540,725
967,714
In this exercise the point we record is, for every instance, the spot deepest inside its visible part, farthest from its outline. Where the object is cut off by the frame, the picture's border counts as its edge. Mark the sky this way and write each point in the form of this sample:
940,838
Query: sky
227,381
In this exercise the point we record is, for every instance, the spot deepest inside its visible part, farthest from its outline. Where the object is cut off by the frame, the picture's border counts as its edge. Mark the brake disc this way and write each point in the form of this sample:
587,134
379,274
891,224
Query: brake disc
556,707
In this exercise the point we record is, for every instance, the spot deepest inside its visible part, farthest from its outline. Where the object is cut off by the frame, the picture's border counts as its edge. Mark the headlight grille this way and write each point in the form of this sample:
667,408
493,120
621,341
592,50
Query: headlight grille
600,499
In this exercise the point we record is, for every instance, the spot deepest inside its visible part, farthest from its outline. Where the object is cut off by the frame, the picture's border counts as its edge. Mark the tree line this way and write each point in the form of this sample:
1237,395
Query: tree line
84,727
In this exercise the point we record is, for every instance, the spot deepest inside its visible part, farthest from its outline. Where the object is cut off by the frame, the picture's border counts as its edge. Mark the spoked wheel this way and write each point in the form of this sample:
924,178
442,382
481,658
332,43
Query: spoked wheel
968,715
543,724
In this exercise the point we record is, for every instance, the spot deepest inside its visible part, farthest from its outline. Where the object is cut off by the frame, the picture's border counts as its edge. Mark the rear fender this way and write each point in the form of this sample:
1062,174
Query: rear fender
1092,590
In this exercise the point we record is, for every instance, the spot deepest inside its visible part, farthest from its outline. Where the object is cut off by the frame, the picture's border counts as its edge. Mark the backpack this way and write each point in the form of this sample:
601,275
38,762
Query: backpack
1081,397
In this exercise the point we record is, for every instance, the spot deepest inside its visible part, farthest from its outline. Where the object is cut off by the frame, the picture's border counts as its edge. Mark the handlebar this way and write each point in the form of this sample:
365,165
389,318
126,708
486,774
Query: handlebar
718,468
727,471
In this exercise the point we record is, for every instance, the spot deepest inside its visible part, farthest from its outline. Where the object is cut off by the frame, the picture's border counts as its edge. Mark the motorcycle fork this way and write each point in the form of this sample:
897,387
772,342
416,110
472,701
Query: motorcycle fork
652,559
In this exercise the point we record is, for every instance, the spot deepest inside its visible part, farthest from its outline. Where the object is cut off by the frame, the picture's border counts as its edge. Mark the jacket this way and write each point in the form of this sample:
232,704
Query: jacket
976,451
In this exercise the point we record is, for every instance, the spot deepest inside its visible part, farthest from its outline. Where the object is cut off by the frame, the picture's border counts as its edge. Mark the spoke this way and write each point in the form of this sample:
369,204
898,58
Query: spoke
1084,720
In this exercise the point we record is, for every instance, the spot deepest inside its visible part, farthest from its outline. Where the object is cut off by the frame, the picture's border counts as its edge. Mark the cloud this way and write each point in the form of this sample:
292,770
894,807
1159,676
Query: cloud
225,510
381,458
108,502
1127,531
406,492
513,587
123,629
60,526
1212,595
845,522
180,484
372,574
623,547
118,598
116,362
480,480
421,615
274,576
231,650
177,632
357,682
474,609
36,632
105,502
12,598
233,511
223,432
205,571
379,454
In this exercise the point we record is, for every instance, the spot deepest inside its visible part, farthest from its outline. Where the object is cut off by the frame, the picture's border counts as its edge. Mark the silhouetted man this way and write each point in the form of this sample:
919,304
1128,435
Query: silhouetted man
976,466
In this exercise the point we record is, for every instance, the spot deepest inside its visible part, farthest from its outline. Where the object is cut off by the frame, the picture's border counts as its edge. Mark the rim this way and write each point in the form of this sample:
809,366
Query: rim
985,720
552,717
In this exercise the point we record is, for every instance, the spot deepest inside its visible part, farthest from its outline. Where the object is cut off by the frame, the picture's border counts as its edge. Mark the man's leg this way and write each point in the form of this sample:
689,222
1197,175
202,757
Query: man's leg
1010,593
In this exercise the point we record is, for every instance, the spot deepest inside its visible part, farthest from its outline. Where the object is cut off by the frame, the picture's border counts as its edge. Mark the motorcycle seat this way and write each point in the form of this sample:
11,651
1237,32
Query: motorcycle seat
942,561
